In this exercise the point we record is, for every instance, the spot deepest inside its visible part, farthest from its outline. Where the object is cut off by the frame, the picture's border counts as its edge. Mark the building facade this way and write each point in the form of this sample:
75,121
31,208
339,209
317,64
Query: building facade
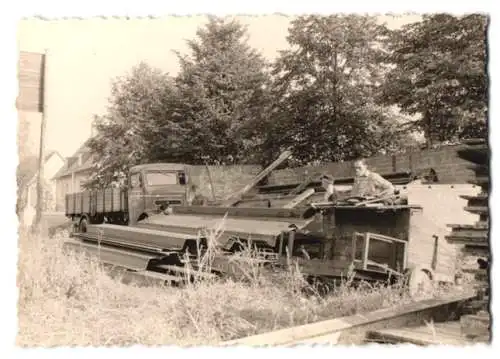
72,176
53,163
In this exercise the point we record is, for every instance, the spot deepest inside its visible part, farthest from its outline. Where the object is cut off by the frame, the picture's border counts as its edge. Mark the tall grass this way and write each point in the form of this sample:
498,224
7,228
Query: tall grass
69,299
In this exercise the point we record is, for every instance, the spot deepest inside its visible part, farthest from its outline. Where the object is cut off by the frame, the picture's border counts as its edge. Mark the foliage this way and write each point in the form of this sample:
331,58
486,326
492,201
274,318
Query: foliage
26,169
222,95
324,86
440,73
329,97
47,196
138,111
68,298
210,113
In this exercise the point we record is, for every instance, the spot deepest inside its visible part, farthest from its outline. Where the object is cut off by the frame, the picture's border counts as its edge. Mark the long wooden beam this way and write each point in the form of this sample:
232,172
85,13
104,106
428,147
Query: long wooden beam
236,197
301,197
332,331
270,213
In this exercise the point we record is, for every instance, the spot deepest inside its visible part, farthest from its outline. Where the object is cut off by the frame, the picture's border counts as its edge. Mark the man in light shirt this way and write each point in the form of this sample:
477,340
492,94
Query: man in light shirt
368,183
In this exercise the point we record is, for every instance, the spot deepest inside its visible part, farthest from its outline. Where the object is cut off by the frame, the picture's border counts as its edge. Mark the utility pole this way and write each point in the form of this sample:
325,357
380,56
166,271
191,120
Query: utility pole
41,159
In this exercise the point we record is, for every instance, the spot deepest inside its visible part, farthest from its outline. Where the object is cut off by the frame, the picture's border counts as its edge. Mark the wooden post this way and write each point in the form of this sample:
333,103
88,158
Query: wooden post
41,158
366,250
214,198
435,253
291,242
282,238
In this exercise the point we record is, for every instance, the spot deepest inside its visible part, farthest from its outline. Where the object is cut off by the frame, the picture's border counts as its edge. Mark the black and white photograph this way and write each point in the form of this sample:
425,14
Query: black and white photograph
273,180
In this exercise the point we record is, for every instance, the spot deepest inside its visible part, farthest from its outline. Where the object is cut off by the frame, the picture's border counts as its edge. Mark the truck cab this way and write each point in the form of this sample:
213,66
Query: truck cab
152,188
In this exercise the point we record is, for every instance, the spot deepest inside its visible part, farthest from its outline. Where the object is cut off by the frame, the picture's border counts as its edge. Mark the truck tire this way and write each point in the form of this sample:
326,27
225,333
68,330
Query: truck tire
82,228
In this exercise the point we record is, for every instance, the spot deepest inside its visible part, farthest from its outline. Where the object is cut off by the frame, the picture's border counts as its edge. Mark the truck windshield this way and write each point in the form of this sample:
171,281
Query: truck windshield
160,178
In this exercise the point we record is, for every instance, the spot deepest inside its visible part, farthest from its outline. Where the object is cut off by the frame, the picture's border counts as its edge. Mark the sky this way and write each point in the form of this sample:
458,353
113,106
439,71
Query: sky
83,57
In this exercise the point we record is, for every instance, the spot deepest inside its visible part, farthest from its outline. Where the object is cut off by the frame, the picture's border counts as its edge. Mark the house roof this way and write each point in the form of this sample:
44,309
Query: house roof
75,167
53,153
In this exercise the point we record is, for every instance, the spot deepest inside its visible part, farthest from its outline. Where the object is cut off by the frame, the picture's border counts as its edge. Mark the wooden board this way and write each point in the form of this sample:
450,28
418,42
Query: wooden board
314,332
236,197
273,214
300,198
448,333
476,325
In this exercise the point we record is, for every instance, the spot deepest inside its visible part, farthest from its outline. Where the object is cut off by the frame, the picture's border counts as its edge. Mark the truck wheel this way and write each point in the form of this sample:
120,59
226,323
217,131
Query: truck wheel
420,282
82,228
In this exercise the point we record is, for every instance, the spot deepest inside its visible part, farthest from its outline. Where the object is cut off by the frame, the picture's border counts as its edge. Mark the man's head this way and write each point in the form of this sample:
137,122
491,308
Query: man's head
326,180
360,167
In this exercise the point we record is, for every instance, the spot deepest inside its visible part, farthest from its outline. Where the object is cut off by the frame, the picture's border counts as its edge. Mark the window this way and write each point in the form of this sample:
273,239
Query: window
182,178
135,180
159,178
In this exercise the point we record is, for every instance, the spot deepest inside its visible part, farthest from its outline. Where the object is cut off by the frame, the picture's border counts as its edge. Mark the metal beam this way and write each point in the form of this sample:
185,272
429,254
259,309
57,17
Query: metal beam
114,256
240,211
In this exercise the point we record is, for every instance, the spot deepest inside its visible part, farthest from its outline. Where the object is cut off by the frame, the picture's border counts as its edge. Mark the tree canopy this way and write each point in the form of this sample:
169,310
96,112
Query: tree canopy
128,133
222,95
346,86
440,72
325,86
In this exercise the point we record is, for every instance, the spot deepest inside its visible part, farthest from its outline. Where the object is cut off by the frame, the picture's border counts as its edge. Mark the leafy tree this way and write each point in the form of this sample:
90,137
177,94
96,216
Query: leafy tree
222,96
211,112
324,86
26,169
440,73
128,134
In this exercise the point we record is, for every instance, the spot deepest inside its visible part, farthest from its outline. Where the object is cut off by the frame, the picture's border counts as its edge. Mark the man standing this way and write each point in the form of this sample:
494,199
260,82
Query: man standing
368,183
327,184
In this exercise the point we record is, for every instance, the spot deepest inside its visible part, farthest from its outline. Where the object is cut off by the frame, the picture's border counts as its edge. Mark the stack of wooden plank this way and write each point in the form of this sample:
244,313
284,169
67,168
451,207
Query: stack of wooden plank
474,239
396,178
